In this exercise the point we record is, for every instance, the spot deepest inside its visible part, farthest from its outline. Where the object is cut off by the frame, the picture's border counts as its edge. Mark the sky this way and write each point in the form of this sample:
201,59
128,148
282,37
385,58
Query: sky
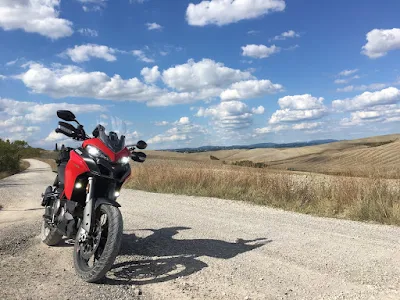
189,73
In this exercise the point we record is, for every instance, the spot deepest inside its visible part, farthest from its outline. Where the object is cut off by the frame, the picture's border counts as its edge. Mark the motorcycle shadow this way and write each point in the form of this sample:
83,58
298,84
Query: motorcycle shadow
159,257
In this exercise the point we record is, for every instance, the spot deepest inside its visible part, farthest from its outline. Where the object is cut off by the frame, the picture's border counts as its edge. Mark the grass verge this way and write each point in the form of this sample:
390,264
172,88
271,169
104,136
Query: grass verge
23,165
363,199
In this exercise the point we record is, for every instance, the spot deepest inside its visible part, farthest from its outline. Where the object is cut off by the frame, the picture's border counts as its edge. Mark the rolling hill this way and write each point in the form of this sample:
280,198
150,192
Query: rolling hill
351,157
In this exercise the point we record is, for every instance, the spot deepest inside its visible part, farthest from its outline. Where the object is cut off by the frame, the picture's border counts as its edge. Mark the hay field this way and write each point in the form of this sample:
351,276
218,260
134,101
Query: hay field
380,154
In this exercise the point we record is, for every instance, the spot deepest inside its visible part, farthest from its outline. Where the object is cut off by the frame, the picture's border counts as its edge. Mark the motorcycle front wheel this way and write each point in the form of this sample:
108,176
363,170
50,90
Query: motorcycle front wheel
94,257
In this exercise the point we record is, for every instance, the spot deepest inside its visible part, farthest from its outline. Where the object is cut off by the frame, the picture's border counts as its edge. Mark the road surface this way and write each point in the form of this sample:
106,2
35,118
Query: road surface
181,247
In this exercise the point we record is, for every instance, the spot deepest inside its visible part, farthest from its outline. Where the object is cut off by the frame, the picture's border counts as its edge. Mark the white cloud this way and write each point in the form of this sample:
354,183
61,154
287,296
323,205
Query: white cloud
142,56
36,113
67,81
347,79
348,72
86,52
259,51
381,41
54,137
306,126
253,32
103,116
285,35
91,8
34,16
371,87
229,114
389,95
183,121
341,81
153,26
250,89
187,83
150,75
93,5
161,123
376,114
346,89
299,108
301,102
183,130
222,12
271,129
15,115
158,139
88,32
287,115
205,74
2,77
258,111
12,62
132,137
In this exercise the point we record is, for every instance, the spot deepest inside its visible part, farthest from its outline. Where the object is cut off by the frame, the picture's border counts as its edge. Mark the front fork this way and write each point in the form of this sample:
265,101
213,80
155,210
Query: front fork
87,212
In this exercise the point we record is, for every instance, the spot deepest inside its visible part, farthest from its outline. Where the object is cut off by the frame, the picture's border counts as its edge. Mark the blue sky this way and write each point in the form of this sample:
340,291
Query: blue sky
190,73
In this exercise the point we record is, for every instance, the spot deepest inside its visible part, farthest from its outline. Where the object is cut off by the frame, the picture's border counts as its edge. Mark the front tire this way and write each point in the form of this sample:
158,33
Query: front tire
50,236
106,240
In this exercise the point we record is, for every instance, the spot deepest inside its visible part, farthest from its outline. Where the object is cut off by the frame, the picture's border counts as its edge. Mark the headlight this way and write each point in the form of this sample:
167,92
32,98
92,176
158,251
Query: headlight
124,160
93,151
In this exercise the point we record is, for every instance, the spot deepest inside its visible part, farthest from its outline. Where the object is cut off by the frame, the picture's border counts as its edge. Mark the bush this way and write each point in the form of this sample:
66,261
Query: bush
250,164
212,157
9,156
12,152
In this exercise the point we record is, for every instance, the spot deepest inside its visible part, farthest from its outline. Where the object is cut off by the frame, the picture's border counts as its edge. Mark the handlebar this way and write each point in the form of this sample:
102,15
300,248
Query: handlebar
63,130
139,157
72,132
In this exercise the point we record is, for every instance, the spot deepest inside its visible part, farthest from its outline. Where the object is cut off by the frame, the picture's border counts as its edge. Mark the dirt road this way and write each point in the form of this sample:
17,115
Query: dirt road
179,247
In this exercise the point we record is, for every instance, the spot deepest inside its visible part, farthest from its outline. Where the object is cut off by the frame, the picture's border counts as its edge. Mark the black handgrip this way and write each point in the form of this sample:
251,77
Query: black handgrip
138,157
65,131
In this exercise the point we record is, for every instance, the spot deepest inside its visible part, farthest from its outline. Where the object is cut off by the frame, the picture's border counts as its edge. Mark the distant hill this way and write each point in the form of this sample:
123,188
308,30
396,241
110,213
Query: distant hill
253,146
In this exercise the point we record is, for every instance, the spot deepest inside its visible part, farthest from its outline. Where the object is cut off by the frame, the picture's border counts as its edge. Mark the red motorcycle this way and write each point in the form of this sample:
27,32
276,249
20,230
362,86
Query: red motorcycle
82,203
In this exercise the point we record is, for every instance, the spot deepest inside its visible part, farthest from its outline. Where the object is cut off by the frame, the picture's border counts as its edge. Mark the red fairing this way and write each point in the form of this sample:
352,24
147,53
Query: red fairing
114,157
122,153
75,167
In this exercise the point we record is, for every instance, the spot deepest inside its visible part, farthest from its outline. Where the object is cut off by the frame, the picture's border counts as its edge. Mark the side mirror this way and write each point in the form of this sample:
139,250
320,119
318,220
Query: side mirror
141,145
66,115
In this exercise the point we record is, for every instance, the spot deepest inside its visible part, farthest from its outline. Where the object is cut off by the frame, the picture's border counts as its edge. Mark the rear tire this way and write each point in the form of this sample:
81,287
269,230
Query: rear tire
50,236
106,251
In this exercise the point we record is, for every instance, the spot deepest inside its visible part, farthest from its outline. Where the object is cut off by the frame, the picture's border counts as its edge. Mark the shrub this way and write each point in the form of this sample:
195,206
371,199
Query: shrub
12,152
250,164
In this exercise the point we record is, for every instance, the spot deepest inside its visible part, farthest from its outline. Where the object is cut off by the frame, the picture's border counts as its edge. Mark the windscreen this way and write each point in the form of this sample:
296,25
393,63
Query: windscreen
111,140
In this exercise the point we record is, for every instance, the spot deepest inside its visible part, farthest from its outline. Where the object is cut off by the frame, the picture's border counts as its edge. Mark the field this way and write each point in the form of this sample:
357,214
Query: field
362,157
355,179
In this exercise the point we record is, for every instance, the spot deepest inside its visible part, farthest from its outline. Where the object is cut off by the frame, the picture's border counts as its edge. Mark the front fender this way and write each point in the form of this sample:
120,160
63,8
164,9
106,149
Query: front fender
105,201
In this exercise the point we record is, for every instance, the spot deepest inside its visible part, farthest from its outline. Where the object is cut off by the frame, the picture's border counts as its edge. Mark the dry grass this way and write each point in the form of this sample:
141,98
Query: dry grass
371,199
49,161
360,158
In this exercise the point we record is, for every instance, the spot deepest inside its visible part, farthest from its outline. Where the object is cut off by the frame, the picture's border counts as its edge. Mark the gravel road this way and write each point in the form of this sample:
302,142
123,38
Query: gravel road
180,247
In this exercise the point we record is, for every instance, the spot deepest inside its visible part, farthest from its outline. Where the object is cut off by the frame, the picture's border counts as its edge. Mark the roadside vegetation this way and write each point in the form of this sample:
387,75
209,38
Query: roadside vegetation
11,154
364,199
